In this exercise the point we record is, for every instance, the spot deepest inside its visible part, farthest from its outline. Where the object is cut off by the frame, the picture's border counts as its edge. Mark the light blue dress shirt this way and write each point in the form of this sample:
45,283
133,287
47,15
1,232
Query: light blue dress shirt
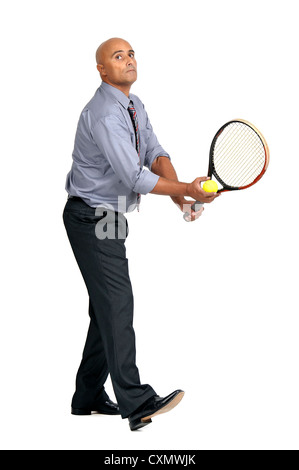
106,168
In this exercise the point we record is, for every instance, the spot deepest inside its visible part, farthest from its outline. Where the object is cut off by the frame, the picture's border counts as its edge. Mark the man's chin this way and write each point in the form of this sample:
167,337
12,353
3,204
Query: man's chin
132,77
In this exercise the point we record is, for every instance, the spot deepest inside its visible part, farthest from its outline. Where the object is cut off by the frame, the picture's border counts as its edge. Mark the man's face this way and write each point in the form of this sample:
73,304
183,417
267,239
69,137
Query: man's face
118,65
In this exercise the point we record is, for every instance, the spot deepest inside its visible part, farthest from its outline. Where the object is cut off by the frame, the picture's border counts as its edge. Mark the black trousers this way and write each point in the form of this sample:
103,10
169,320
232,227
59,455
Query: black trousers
110,343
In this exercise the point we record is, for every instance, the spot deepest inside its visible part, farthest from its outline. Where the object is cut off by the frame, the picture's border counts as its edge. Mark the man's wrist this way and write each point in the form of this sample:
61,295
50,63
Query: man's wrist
178,199
171,188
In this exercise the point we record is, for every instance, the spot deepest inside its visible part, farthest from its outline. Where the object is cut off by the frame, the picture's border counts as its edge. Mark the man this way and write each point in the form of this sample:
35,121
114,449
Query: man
114,141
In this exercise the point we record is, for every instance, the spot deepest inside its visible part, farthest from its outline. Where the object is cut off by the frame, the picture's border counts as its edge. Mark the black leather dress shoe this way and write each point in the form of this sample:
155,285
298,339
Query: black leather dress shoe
152,407
105,408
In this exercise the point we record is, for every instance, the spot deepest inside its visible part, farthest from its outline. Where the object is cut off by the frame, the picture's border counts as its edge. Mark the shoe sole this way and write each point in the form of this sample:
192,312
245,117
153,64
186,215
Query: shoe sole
82,412
174,402
134,425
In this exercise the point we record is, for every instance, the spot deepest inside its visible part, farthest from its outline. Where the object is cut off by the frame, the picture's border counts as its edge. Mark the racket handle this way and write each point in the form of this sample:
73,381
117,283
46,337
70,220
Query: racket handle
195,207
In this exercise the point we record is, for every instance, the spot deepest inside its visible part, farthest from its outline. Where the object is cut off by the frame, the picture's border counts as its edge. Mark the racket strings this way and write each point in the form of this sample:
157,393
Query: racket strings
239,155
237,145
243,149
239,165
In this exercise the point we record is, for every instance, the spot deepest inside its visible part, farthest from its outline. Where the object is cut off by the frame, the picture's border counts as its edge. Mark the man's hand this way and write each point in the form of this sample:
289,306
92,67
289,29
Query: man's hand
185,206
168,184
195,191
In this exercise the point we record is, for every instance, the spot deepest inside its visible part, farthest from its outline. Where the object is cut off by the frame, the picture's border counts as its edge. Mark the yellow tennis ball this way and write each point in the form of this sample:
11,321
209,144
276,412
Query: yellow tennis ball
210,186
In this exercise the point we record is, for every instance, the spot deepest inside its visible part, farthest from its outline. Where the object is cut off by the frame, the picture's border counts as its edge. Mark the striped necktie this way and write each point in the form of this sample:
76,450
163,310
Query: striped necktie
133,115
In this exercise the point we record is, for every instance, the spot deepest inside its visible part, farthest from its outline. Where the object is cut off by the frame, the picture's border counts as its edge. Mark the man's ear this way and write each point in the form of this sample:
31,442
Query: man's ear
101,69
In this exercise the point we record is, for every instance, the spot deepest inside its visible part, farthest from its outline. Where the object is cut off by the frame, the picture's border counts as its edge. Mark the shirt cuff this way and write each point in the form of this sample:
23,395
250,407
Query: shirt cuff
146,182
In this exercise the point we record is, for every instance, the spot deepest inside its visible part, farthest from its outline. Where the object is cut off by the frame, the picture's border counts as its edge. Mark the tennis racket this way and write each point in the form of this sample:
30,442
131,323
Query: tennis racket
239,157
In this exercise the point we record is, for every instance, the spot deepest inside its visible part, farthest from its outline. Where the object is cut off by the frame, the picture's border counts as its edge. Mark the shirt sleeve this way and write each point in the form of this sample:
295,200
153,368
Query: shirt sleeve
113,139
154,149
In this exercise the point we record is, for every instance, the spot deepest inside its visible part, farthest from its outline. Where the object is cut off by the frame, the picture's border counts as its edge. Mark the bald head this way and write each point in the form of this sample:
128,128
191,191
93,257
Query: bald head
101,51
117,64
106,47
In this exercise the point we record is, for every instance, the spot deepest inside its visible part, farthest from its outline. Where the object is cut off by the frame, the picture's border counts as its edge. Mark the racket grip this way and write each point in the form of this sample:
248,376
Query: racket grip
195,207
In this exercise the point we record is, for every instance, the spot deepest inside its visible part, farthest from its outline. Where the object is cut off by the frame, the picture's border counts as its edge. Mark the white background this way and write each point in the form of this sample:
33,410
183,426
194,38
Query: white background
216,301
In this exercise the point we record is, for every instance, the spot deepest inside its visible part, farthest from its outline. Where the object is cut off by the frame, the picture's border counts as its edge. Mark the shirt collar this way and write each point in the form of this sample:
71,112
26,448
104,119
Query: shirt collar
116,93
